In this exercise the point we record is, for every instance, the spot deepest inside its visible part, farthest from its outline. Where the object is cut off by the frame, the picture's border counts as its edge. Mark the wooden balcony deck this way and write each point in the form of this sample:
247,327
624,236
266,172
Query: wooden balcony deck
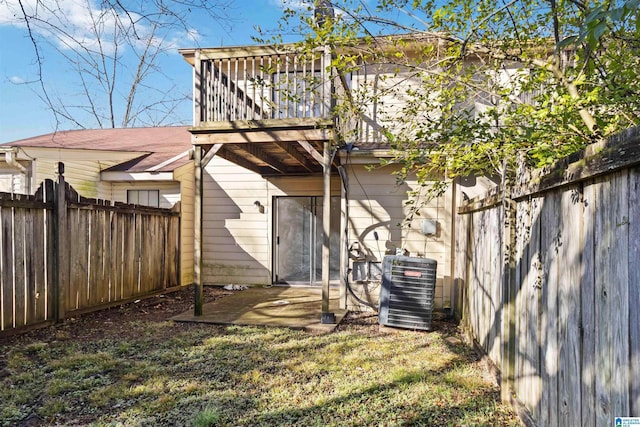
259,83
261,107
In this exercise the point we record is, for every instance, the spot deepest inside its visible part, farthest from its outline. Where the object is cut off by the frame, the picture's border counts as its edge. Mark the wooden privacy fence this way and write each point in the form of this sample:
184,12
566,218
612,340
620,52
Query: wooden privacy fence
551,285
62,254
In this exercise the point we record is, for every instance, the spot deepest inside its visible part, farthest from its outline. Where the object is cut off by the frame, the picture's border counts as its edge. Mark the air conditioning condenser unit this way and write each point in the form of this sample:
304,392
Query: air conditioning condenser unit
407,293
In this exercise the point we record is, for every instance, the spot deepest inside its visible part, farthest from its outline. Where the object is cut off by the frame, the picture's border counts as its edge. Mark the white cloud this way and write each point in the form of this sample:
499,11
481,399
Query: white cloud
183,38
70,24
17,80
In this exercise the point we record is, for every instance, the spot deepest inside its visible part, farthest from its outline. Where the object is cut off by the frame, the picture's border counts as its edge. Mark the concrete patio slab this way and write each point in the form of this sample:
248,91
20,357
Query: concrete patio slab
291,307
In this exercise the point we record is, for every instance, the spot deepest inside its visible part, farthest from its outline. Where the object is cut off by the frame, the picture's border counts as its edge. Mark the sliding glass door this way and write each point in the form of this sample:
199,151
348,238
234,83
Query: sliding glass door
298,240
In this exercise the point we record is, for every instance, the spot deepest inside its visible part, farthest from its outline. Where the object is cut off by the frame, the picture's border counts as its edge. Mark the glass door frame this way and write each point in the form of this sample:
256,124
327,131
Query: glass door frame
314,238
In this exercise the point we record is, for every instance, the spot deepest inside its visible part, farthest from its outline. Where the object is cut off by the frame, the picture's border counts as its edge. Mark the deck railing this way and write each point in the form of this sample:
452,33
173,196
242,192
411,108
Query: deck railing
258,84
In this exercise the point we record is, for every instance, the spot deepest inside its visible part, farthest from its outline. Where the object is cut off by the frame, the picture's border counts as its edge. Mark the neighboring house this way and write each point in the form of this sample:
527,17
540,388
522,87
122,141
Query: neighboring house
145,166
261,150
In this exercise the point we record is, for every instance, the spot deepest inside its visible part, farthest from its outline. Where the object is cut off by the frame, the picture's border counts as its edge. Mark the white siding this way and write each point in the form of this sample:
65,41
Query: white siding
82,175
236,240
378,205
237,235
185,176
383,91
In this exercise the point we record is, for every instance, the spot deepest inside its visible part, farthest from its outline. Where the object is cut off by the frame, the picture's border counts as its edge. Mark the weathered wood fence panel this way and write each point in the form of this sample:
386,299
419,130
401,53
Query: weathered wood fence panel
25,222
139,241
573,353
111,253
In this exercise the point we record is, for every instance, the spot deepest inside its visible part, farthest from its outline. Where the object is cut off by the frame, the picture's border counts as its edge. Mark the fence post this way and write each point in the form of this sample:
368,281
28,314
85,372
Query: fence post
60,249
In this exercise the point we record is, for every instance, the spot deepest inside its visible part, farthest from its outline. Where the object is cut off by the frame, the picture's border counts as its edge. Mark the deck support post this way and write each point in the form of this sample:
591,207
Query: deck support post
197,233
327,316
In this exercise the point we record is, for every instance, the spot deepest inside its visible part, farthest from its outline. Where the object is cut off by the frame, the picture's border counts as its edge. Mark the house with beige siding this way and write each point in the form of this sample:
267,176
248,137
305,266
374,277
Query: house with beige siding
272,164
144,166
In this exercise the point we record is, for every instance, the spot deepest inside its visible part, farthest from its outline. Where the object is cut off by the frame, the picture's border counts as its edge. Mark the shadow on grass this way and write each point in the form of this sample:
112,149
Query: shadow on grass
165,374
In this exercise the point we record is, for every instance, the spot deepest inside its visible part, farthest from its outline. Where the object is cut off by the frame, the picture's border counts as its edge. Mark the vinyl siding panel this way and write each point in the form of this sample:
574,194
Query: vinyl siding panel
390,88
82,175
185,176
82,167
378,205
229,244
237,235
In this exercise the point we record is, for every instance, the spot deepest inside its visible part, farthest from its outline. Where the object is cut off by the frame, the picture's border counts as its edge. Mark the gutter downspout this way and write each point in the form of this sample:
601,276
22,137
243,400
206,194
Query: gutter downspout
10,158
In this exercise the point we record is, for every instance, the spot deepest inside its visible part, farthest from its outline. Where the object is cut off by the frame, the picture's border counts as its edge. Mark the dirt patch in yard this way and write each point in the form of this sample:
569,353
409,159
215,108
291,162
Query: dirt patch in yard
114,321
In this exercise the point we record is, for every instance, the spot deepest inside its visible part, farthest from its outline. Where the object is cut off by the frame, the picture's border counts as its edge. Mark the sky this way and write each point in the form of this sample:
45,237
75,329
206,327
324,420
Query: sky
23,114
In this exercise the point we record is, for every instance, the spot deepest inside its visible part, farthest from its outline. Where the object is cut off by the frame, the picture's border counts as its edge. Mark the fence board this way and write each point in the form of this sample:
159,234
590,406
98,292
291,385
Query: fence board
523,366
476,280
569,313
588,306
121,224
19,274
461,260
634,291
79,260
487,309
549,247
173,247
28,251
170,258
480,282
603,289
154,255
129,256
136,271
93,295
29,266
497,233
535,308
39,267
8,267
619,322
145,252
116,257
102,255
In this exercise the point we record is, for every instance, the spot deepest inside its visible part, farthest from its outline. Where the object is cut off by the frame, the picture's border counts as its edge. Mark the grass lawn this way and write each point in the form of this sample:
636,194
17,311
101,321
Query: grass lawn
132,367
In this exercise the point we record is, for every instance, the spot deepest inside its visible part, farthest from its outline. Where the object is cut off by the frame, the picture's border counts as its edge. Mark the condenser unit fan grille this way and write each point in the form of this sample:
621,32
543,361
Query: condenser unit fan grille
408,288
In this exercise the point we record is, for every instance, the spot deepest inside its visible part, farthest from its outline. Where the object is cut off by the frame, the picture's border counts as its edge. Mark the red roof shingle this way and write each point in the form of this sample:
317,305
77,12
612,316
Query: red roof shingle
160,143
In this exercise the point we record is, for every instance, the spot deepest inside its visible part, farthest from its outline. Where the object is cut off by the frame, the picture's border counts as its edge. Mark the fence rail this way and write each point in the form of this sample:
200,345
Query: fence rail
551,286
62,254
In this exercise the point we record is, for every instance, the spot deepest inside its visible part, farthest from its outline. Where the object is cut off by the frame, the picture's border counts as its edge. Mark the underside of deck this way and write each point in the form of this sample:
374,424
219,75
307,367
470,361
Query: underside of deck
268,147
